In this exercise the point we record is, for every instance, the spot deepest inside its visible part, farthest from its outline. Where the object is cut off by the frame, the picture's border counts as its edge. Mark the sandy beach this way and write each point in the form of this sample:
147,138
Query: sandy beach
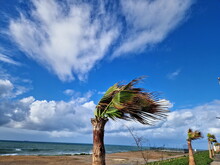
123,158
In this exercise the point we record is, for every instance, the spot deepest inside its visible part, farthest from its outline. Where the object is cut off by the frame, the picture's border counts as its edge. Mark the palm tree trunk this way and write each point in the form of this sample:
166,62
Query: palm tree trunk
212,149
98,157
210,152
191,157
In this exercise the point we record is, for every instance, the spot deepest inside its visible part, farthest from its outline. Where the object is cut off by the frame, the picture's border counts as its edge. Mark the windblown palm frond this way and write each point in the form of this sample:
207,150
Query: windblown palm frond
211,137
217,144
213,140
130,103
194,135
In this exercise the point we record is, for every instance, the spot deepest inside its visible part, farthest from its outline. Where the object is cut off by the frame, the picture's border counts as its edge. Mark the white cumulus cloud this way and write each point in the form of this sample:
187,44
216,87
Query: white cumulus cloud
174,128
52,116
72,119
9,90
6,88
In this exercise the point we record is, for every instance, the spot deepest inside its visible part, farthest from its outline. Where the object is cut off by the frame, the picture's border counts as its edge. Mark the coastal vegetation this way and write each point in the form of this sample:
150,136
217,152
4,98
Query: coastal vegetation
211,141
125,102
201,158
192,135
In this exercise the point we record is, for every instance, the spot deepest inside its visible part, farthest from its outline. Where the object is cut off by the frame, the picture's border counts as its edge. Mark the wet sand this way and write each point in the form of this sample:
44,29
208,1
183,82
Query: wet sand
123,158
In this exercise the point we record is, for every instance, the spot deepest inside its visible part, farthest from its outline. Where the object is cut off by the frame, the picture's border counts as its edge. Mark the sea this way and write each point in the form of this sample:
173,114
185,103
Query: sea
51,148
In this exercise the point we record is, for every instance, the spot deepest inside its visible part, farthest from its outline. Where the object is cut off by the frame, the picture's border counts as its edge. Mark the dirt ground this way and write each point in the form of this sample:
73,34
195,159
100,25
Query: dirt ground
123,158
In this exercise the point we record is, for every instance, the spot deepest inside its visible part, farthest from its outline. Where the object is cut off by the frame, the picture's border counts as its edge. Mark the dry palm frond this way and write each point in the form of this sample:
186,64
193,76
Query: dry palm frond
130,103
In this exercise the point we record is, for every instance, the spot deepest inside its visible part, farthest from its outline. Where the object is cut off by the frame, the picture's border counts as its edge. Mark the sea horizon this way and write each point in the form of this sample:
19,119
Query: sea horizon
62,142
24,147
42,148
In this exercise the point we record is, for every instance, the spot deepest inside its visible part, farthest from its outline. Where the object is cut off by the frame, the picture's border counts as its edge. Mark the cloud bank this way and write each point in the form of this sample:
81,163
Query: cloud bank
70,37
51,116
61,119
72,118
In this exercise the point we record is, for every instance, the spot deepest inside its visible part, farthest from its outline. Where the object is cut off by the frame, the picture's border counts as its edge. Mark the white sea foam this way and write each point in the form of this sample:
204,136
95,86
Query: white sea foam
12,154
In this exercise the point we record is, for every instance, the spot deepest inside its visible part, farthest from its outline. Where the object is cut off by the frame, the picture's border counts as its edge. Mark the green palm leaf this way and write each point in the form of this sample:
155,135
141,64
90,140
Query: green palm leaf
130,103
211,137
194,135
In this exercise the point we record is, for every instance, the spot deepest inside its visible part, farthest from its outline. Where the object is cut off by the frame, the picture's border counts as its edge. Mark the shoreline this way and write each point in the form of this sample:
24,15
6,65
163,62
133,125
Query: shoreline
128,158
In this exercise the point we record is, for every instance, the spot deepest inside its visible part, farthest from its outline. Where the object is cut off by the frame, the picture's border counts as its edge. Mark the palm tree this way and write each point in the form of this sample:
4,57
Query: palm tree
123,102
211,140
209,145
192,135
212,143
215,143
217,146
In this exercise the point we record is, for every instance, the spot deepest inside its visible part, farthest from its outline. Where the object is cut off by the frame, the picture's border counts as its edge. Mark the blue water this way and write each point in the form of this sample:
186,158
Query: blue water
45,148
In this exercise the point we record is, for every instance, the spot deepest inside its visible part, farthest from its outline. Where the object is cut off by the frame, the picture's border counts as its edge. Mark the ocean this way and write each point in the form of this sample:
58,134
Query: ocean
47,148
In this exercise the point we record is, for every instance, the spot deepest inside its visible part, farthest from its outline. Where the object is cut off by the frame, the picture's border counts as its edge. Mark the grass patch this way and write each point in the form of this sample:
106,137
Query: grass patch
201,158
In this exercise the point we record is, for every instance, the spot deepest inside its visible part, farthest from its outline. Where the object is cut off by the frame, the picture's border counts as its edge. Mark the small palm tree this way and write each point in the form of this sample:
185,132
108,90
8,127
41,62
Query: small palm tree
215,143
212,144
123,102
211,140
217,146
192,135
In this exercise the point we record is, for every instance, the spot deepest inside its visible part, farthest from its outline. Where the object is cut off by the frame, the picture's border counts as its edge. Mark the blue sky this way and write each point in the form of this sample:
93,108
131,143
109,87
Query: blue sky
57,59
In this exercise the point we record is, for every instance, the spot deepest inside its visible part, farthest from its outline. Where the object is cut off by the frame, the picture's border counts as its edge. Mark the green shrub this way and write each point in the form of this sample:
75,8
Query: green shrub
201,158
